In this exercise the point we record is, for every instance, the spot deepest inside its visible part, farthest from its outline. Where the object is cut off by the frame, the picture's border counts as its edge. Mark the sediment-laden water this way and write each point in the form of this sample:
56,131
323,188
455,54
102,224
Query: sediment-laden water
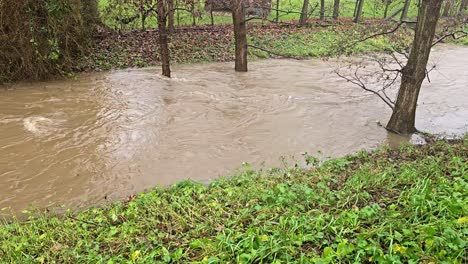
104,136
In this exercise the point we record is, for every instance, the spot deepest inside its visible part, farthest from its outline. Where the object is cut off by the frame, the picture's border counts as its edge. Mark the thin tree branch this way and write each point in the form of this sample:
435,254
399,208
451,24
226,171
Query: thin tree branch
275,53
453,35
359,83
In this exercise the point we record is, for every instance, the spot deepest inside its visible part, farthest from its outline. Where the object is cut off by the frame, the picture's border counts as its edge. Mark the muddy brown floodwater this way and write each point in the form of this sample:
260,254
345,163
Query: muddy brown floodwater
75,142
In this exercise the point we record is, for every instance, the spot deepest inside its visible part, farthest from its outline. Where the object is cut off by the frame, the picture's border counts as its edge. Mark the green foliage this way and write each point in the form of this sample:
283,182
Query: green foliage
389,206
289,11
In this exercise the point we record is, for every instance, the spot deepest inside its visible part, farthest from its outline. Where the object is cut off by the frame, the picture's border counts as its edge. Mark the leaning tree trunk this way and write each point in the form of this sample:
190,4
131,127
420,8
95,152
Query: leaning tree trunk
413,74
463,7
336,9
322,9
304,12
240,34
404,12
163,39
447,8
359,6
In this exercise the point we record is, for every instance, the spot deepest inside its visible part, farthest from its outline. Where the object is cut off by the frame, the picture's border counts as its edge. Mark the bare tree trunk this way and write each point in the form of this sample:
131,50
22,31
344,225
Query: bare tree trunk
192,9
358,15
463,7
170,6
404,13
447,8
163,39
387,5
304,12
277,11
143,22
212,17
240,34
336,9
177,13
413,74
322,9
355,8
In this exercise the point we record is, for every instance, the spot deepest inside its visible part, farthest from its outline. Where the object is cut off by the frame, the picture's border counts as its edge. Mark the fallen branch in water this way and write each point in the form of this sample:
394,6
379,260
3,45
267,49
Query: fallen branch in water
276,54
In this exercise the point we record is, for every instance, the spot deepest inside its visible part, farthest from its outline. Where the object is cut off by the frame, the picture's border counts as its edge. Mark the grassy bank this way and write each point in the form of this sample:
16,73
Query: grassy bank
215,44
405,206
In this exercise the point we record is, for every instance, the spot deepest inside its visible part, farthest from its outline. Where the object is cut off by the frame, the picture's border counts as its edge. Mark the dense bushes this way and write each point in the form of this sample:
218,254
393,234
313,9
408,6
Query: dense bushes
41,38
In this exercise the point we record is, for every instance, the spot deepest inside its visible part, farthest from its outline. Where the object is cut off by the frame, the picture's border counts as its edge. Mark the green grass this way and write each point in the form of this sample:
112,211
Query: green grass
371,9
405,206
326,42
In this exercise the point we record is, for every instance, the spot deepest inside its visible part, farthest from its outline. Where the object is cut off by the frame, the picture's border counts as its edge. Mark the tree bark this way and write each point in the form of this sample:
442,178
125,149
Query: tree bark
358,15
463,6
387,5
143,22
277,11
163,39
336,9
192,11
212,17
413,74
447,8
170,6
404,12
240,34
322,9
304,12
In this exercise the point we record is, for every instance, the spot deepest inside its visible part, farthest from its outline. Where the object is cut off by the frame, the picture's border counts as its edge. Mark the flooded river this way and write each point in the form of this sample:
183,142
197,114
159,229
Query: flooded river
105,136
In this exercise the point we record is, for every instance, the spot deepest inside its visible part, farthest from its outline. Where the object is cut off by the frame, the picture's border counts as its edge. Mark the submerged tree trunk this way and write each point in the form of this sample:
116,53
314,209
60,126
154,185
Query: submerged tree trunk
404,12
304,12
163,39
322,9
240,34
358,15
336,9
413,74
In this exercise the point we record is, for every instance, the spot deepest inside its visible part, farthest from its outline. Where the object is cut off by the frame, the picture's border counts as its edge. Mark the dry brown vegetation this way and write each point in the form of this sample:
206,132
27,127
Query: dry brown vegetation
42,38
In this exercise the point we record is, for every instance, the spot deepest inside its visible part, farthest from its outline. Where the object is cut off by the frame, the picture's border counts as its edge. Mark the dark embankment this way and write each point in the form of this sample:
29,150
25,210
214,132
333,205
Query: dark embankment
40,39
404,206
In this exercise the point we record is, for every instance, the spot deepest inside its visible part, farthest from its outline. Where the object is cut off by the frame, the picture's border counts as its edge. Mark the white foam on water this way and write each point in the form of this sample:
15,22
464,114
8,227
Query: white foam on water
38,124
